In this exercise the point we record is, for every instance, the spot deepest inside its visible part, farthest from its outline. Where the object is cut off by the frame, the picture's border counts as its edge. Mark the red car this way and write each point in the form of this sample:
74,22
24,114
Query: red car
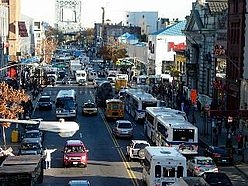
75,154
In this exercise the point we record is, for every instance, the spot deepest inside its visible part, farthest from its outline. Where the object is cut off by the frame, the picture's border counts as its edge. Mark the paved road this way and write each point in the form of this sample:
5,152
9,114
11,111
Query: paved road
106,160
106,157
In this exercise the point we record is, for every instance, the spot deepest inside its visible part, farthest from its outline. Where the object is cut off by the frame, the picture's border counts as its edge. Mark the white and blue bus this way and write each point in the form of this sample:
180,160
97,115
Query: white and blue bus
178,133
136,102
152,113
66,106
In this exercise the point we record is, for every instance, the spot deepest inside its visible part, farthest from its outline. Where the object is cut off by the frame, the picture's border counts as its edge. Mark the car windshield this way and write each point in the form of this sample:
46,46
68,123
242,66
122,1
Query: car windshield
125,125
220,150
71,149
140,145
89,105
44,100
205,162
32,135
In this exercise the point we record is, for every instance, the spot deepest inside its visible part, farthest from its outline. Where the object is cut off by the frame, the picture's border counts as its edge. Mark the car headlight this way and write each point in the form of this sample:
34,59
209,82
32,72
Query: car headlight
66,157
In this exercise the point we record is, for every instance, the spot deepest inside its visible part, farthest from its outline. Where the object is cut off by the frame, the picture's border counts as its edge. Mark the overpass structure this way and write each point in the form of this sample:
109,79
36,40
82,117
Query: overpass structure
68,15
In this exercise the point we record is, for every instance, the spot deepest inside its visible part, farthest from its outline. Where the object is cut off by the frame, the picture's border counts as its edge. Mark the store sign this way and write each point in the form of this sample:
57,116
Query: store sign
22,29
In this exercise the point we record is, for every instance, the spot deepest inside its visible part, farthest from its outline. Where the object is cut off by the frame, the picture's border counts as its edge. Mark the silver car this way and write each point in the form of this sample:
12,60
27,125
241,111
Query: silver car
201,164
123,128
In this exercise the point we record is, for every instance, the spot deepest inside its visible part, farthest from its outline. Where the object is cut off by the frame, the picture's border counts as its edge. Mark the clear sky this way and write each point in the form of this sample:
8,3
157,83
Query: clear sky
44,10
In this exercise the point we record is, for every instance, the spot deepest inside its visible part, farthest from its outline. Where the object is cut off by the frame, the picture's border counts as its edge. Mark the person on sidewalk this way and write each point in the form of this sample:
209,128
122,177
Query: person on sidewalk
47,153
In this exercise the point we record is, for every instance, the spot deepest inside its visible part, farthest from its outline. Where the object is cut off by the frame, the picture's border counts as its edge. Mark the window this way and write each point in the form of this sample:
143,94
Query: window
157,171
149,118
183,135
179,171
169,172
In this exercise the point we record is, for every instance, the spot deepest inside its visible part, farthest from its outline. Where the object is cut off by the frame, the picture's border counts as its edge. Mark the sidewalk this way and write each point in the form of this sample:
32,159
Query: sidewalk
206,134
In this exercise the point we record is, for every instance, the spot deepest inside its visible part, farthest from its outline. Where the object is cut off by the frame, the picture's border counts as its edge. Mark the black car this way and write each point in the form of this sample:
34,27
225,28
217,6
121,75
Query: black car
30,146
220,155
45,103
217,179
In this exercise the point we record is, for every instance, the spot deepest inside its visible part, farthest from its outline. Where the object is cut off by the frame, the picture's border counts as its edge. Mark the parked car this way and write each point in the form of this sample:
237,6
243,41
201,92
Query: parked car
200,164
220,155
75,153
123,128
45,103
135,150
217,179
89,108
30,146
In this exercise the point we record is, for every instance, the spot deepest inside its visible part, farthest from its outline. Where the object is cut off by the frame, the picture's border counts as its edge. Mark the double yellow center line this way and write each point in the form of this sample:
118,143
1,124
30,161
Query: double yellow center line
124,160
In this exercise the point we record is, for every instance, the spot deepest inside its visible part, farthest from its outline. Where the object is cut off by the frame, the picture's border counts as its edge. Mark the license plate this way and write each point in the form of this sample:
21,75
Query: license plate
74,163
224,160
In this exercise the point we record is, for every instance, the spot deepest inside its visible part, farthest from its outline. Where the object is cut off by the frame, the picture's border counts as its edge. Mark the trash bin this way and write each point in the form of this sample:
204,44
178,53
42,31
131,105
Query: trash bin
14,136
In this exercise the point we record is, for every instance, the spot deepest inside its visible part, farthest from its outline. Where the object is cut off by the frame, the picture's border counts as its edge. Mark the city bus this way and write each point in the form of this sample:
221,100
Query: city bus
163,166
136,102
178,133
103,92
150,125
114,109
65,103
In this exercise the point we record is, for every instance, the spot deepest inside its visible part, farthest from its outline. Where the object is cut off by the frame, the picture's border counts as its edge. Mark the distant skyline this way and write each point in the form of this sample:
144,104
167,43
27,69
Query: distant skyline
44,10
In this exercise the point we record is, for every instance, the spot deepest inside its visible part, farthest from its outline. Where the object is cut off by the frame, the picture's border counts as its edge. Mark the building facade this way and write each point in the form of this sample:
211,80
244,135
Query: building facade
244,81
68,15
162,46
236,64
147,21
203,32
4,29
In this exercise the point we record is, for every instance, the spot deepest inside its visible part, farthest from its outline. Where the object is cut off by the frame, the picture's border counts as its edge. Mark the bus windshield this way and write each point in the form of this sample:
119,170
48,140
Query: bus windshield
65,103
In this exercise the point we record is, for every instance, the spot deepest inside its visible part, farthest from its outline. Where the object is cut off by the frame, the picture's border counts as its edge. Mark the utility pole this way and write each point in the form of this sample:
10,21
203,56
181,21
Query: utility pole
102,33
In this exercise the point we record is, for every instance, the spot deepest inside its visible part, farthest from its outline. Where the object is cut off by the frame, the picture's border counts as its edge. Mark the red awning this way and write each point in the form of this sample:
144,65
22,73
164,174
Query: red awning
22,29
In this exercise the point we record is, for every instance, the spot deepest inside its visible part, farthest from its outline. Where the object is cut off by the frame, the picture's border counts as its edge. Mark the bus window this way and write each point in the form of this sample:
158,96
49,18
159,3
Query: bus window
169,172
157,171
179,171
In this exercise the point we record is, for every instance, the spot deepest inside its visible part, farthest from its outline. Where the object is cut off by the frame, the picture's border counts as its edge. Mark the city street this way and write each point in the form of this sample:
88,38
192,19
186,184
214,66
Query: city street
107,165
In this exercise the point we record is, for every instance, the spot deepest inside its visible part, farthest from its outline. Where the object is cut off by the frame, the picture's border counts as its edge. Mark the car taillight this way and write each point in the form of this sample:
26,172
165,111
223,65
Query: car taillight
216,155
197,168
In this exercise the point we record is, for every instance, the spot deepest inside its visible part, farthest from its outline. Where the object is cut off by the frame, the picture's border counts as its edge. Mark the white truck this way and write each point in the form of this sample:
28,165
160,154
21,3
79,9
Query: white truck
75,65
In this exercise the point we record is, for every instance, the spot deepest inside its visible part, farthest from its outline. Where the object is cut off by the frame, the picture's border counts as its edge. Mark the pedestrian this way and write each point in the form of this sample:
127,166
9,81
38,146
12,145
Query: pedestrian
47,153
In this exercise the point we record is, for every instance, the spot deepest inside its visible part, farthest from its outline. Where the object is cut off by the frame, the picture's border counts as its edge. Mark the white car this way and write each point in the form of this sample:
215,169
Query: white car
201,164
135,150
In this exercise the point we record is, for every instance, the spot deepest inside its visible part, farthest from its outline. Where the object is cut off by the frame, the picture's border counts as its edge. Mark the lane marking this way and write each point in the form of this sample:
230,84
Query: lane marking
116,144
